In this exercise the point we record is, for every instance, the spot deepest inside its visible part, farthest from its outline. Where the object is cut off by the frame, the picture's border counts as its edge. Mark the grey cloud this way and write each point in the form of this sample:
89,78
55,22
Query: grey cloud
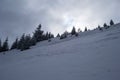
22,16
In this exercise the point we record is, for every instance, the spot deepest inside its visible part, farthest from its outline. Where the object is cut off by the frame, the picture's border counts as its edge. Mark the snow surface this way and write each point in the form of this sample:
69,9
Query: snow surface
93,55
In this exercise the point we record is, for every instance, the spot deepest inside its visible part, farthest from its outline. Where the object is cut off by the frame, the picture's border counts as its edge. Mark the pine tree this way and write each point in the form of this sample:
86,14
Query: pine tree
33,41
50,35
73,32
111,22
106,26
5,45
58,35
85,28
26,44
38,34
47,36
21,42
15,44
64,35
99,27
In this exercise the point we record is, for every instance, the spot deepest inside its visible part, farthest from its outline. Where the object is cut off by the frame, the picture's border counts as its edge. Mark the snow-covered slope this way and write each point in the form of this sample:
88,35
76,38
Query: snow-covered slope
93,55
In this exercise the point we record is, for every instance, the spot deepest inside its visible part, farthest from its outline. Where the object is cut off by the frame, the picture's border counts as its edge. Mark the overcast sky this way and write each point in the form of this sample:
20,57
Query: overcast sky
23,16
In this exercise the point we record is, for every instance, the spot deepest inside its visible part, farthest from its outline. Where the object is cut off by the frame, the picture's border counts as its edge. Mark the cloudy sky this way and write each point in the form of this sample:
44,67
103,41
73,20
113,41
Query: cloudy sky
23,16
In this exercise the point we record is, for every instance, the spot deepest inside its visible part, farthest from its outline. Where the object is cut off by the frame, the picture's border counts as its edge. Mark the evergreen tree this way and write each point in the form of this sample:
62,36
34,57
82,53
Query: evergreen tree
5,45
73,32
85,28
26,44
15,44
99,27
21,42
38,34
58,35
47,36
33,41
64,35
50,35
111,22
106,26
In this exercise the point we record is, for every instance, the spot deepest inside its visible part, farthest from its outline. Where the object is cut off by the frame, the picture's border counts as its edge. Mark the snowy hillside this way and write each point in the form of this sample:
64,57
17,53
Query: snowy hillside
93,55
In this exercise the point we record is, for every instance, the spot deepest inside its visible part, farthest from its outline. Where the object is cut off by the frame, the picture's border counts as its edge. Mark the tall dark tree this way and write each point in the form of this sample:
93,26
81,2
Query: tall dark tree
50,35
15,44
73,32
33,41
5,46
105,25
38,34
21,42
111,22
26,44
58,35
47,35
86,29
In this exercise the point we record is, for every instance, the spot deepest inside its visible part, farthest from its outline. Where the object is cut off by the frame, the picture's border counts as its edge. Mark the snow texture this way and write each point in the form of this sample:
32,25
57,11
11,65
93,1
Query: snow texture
93,55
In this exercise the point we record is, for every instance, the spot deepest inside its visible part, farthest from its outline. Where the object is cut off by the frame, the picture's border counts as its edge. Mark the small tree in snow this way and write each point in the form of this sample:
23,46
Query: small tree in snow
111,22
106,26
64,35
58,35
33,41
38,34
73,32
15,44
85,28
5,45
99,27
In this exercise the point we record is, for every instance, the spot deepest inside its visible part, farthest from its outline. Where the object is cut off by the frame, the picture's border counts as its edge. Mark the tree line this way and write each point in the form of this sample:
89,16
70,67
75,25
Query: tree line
26,41
74,32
